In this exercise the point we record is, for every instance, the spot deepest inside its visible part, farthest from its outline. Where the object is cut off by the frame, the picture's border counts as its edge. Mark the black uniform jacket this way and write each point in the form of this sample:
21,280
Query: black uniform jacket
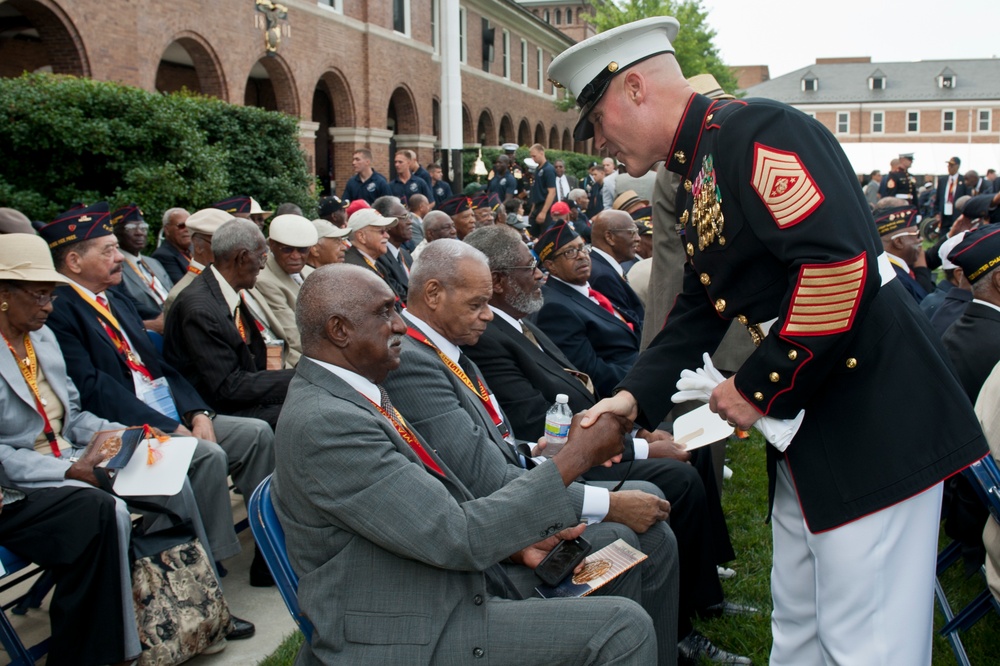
776,228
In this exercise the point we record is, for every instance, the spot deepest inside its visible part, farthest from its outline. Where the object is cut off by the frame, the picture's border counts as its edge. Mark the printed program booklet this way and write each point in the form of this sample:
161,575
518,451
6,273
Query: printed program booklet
598,569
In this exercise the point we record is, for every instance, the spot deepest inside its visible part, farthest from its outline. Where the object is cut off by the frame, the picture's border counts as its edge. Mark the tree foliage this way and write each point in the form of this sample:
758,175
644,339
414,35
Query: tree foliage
695,48
65,140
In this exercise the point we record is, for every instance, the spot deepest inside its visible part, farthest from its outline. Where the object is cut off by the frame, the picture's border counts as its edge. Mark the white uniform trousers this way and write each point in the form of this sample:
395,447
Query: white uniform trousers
860,594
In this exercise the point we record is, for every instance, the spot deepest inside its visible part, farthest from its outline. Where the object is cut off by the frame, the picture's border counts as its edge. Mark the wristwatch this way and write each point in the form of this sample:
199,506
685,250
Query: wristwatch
190,415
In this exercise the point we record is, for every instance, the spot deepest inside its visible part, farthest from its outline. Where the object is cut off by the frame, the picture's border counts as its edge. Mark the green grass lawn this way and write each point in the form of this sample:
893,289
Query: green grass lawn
745,504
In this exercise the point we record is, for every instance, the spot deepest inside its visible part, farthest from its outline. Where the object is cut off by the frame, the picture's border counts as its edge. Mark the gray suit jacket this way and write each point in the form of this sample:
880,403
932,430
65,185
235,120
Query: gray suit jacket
281,292
20,422
389,555
139,289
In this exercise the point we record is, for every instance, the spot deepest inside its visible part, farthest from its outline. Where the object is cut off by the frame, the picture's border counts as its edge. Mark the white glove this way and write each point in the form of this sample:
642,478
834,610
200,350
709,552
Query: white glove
699,384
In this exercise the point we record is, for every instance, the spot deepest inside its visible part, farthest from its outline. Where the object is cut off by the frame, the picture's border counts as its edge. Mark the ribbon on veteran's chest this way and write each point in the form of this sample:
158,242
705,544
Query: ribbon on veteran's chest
707,205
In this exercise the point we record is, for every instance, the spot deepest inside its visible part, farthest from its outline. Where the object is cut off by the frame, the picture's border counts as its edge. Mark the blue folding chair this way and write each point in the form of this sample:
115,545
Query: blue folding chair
19,655
270,539
984,476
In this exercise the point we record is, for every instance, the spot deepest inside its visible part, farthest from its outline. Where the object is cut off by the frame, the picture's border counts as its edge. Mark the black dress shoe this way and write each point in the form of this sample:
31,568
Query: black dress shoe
728,608
260,575
240,629
221,570
695,647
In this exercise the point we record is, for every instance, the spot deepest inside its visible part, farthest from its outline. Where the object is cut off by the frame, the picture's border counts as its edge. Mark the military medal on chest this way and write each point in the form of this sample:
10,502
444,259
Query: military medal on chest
707,205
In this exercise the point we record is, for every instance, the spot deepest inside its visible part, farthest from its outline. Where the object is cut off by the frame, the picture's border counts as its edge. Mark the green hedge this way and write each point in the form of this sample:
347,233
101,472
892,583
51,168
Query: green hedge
65,139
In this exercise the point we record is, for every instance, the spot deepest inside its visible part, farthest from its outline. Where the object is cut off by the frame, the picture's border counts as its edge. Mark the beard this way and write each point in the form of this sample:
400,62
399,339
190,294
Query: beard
525,301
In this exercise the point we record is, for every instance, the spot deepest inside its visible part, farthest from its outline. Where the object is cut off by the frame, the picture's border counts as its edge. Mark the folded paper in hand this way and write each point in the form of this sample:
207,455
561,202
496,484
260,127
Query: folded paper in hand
598,570
699,384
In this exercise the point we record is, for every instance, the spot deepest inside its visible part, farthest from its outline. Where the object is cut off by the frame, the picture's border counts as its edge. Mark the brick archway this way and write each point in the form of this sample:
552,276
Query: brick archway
403,110
524,133
270,85
50,40
468,136
506,130
189,61
332,106
554,139
485,132
540,134
567,141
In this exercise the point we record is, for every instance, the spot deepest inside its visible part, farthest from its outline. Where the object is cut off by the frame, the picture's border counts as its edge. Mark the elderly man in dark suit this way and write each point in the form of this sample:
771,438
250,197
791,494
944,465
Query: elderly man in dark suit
949,188
174,254
615,240
122,377
213,337
396,261
144,278
578,318
406,549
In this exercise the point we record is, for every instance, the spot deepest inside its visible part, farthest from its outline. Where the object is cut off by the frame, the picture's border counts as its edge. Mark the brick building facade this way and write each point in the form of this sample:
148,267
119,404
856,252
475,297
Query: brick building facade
355,73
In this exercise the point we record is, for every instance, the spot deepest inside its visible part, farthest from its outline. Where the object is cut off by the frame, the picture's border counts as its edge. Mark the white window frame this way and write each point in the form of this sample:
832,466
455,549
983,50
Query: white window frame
541,72
463,34
917,121
944,121
881,122
524,62
813,82
332,5
987,115
436,25
843,118
406,18
873,79
952,82
506,54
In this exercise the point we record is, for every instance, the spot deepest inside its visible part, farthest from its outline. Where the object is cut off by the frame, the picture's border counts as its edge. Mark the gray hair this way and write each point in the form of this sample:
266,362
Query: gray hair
234,236
441,261
575,194
433,221
498,243
170,212
288,209
333,290
384,204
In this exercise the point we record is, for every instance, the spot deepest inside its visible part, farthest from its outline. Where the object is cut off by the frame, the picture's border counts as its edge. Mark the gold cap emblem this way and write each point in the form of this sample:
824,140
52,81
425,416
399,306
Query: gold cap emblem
612,66
680,156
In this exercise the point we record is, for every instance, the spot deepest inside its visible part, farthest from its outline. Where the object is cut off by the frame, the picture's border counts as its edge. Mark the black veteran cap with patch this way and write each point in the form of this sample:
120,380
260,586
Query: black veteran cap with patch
330,205
978,253
891,220
587,68
644,214
126,214
554,238
234,205
77,225
981,206
455,205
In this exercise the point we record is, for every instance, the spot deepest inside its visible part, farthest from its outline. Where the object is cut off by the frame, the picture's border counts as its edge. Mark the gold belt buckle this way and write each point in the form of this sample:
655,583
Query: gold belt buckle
756,334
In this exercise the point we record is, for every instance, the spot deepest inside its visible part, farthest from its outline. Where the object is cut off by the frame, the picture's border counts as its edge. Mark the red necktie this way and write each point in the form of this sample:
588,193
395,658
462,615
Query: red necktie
103,301
603,301
951,190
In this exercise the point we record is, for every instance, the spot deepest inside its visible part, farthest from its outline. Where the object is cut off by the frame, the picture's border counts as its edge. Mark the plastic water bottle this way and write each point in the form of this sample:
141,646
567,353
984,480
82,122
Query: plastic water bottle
557,421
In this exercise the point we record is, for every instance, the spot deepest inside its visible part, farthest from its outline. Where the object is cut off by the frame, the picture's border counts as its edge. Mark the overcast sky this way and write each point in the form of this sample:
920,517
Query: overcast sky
791,34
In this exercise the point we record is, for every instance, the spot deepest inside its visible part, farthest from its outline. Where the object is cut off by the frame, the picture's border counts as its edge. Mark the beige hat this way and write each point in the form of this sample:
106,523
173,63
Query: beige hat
207,221
293,231
325,229
627,199
255,208
368,217
26,257
14,222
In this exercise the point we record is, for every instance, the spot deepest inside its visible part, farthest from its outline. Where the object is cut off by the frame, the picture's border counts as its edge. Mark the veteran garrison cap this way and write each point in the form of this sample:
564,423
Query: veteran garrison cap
643,215
587,68
979,206
126,214
455,205
480,200
554,238
78,224
234,205
978,253
891,220
494,200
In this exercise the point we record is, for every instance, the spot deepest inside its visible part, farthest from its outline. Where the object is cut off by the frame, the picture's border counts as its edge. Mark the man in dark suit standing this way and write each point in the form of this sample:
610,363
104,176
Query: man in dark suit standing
579,319
213,338
174,254
615,240
407,550
949,189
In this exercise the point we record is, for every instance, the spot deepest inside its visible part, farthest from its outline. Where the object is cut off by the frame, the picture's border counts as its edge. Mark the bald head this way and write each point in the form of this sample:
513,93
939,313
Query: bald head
438,225
615,232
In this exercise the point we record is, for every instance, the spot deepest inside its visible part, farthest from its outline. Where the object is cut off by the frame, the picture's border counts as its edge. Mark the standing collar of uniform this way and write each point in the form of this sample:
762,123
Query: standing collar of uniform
449,348
611,260
688,136
228,293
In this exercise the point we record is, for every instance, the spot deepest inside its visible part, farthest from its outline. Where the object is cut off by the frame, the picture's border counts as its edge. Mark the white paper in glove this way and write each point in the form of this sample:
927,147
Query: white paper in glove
699,384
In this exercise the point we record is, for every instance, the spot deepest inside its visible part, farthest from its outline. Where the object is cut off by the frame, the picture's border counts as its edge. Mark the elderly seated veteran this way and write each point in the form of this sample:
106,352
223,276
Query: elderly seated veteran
214,338
375,519
290,240
201,225
122,377
144,278
436,225
330,244
396,261
174,253
460,210
43,429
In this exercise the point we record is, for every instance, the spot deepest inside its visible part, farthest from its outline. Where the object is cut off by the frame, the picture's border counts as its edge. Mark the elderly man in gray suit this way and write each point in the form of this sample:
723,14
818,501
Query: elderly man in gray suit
396,558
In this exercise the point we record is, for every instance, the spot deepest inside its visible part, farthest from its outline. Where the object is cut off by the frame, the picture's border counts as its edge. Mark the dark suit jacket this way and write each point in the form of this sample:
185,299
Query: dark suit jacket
950,309
99,371
395,276
973,344
174,262
524,378
202,341
596,341
605,279
353,256
942,195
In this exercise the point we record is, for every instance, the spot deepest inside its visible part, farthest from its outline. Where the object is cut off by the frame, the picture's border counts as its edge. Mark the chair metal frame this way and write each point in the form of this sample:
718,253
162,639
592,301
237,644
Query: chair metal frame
18,653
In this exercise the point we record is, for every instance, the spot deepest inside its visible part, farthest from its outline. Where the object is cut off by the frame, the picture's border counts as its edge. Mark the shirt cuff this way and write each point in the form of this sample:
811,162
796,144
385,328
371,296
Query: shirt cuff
641,448
596,504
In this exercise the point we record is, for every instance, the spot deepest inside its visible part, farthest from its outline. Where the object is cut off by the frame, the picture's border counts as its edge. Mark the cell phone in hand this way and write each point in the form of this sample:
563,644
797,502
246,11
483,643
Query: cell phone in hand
561,560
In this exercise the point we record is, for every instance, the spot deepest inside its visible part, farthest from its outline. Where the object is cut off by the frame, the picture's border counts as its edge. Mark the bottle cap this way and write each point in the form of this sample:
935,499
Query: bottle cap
563,398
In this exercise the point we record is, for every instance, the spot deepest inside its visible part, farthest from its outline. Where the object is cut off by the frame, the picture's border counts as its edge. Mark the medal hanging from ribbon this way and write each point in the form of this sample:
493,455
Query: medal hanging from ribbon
29,370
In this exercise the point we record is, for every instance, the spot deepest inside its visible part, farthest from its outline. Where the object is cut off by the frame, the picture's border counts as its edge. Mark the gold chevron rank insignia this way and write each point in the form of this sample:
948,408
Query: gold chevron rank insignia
783,184
826,298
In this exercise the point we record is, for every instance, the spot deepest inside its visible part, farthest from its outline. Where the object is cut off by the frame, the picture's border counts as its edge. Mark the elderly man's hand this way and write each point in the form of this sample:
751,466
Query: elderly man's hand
637,510
662,445
594,445
531,556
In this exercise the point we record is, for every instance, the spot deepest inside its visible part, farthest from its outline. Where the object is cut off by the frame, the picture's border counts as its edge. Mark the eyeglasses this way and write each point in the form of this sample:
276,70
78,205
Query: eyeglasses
631,232
573,252
41,300
287,249
136,226
182,225
530,267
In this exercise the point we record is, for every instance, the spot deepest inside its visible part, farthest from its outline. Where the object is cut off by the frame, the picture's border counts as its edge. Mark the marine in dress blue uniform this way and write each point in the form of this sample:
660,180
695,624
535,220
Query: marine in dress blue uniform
780,238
